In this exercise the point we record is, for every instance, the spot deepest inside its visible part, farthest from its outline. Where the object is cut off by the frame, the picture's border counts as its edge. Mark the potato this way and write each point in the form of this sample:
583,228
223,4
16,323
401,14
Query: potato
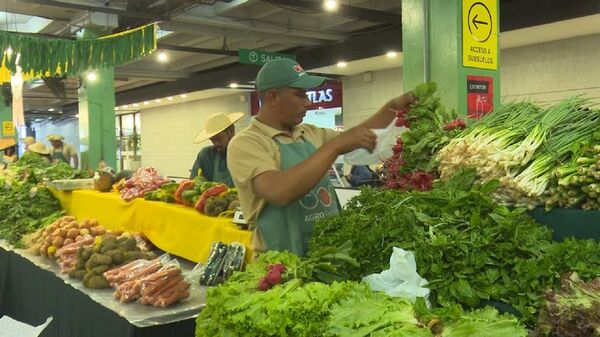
56,232
93,223
84,231
68,241
63,232
97,231
78,238
58,242
72,233
70,218
85,224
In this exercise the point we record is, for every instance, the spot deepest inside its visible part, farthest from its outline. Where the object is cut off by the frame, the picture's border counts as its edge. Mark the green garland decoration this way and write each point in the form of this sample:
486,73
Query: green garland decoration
40,56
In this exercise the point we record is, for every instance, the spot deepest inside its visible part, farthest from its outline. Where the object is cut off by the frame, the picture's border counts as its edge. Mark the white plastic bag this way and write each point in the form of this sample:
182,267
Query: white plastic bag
402,279
386,138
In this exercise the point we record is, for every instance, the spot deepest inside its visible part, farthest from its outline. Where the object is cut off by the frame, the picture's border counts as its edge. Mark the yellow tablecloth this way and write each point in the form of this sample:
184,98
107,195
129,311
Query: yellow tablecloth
173,228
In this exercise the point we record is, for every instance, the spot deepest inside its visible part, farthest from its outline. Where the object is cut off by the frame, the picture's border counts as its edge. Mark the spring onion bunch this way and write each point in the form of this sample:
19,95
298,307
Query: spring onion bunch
521,145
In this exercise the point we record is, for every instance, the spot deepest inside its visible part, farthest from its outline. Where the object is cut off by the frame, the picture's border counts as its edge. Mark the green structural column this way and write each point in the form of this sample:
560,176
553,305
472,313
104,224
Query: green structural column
97,133
454,43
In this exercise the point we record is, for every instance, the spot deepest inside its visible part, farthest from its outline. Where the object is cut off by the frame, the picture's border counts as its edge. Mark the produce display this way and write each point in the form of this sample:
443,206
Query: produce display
522,145
61,233
469,248
207,197
144,180
107,251
577,182
222,261
26,204
25,208
430,126
571,311
298,303
151,282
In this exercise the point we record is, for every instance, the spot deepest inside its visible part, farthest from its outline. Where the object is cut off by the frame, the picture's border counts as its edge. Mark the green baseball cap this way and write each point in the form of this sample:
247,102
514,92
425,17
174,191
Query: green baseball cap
284,72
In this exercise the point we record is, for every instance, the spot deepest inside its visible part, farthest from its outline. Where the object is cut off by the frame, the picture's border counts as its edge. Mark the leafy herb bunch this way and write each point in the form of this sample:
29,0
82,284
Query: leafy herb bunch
470,249
430,127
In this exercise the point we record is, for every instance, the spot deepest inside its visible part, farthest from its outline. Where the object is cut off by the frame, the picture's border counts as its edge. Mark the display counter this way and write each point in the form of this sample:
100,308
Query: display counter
32,289
569,222
176,229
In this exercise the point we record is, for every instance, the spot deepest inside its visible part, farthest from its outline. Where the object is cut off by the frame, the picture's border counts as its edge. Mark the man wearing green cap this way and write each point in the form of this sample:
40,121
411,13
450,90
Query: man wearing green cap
279,165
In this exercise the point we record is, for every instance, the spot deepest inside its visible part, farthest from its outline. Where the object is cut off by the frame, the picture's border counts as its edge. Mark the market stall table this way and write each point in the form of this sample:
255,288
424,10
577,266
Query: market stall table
176,229
32,289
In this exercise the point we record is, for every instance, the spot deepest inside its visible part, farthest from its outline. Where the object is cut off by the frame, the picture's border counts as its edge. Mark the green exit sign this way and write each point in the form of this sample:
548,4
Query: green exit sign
259,57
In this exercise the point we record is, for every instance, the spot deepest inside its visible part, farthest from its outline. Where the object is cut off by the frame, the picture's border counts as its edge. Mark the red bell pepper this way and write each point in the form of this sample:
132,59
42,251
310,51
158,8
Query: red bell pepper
184,185
211,192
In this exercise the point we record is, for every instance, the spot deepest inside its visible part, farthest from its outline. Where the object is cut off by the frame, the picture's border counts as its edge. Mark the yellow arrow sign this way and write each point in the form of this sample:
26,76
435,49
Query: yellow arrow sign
480,34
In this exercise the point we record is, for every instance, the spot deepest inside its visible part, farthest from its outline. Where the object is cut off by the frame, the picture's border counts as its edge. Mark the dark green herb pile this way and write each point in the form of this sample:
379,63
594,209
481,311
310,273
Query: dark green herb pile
470,249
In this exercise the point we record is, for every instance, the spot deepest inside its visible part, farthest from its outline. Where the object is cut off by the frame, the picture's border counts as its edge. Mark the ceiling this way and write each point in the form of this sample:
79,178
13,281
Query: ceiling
201,39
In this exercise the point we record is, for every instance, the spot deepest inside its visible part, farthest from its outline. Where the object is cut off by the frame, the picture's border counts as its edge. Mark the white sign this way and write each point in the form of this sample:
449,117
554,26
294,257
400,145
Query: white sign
320,96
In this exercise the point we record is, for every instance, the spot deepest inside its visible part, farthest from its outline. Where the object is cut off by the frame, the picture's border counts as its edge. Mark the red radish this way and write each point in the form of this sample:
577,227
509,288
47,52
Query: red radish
278,267
273,277
263,284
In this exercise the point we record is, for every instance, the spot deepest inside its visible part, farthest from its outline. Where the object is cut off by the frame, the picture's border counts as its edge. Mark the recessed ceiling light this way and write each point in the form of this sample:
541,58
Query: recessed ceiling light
158,100
146,102
77,116
136,105
233,85
91,76
170,98
330,5
116,108
51,109
391,54
342,64
162,57
183,96
125,106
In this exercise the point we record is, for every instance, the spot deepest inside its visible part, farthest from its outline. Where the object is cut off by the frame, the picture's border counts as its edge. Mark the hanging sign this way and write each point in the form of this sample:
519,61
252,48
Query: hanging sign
480,96
8,129
480,34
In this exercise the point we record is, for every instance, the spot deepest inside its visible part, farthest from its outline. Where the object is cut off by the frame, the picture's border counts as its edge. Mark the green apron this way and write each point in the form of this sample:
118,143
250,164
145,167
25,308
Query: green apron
290,227
221,176
58,156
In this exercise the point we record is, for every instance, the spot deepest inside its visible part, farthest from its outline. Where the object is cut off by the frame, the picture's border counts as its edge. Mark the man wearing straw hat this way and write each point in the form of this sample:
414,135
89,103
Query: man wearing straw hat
62,152
10,154
41,150
27,141
212,160
279,165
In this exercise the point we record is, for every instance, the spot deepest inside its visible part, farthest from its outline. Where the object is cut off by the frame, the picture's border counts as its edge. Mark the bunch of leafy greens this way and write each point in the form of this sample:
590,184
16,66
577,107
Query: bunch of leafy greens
33,169
470,249
341,309
25,208
296,308
574,311
430,127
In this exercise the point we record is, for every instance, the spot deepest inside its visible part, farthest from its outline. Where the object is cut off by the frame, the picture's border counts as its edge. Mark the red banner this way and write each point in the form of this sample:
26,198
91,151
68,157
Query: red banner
480,96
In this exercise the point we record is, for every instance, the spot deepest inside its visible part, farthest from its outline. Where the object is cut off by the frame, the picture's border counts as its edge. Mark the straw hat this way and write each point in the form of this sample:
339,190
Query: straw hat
7,142
217,123
55,137
28,140
39,148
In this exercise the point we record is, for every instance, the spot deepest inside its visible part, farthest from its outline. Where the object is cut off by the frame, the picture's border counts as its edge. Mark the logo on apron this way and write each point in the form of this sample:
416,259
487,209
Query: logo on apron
325,196
309,201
